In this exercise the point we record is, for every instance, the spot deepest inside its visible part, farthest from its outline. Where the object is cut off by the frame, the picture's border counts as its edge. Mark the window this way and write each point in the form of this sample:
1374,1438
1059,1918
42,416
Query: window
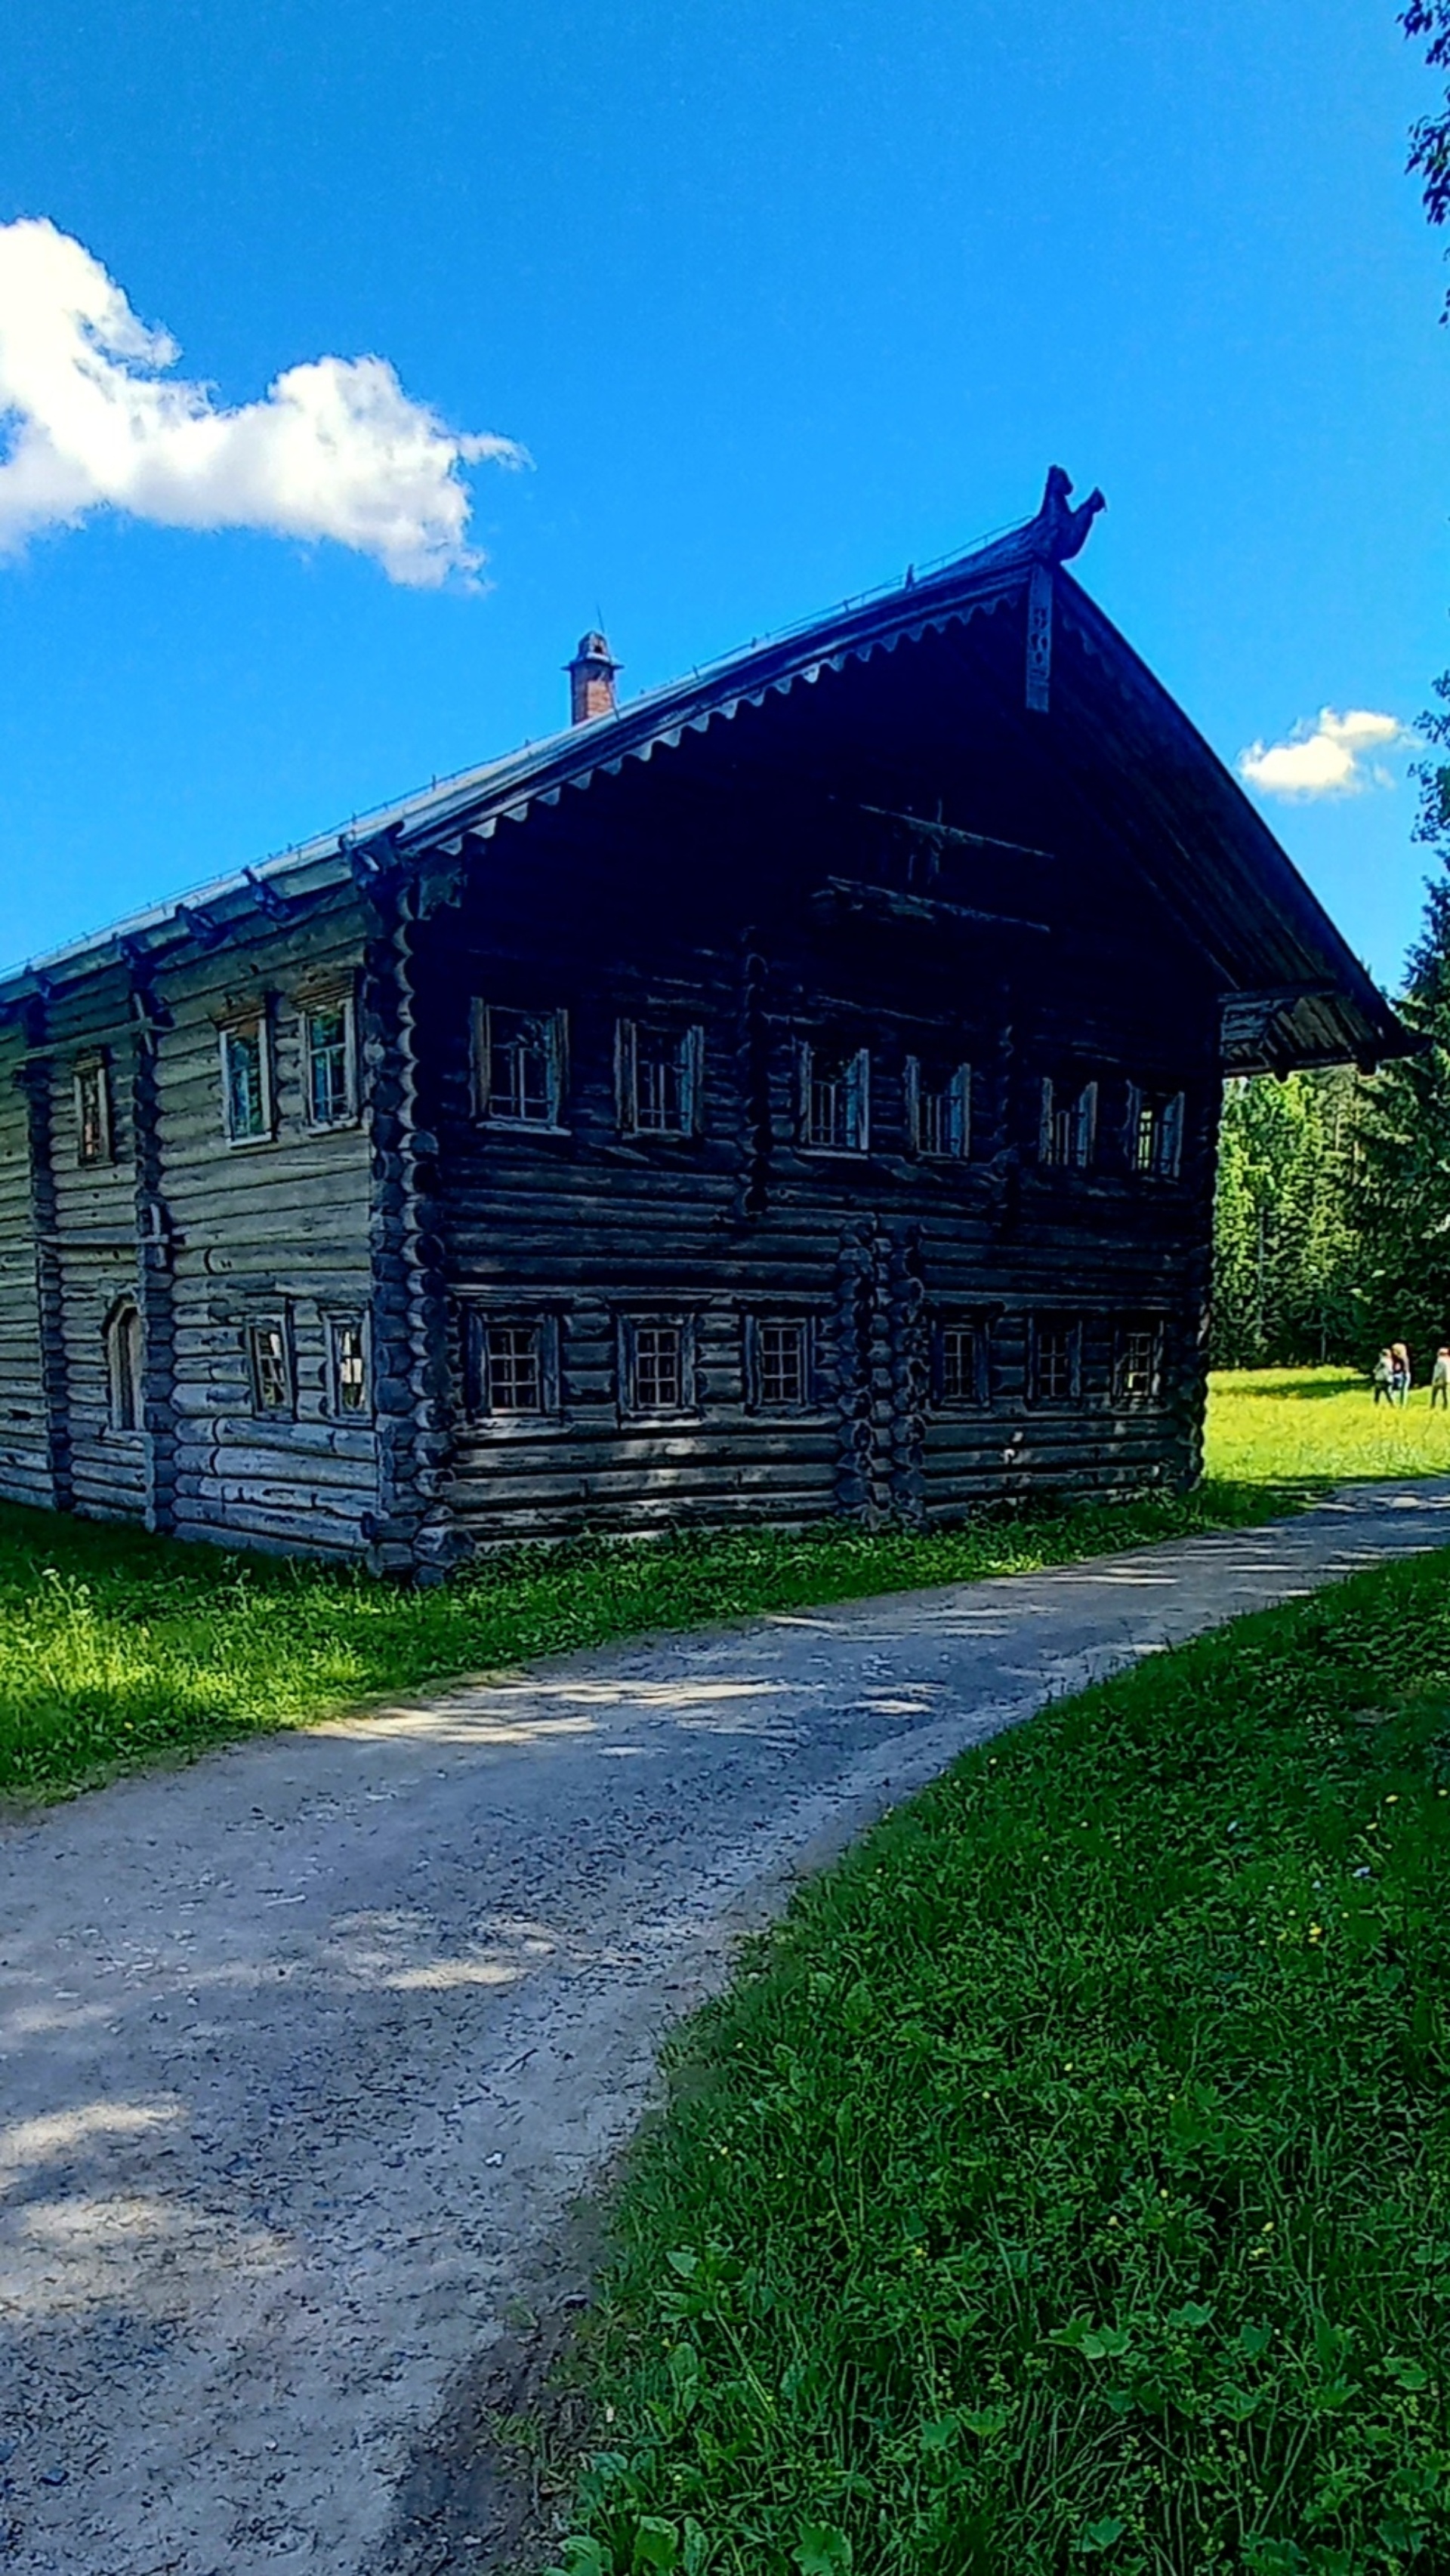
269,1353
519,1060
95,1133
1155,1133
125,1395
834,1100
938,1114
327,1037
656,1365
513,1366
963,1358
1069,1124
514,1362
1056,1362
1138,1363
246,1081
350,1396
777,1363
659,1079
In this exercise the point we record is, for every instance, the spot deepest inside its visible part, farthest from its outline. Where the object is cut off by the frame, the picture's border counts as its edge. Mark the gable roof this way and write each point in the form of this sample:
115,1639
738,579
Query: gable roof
1293,993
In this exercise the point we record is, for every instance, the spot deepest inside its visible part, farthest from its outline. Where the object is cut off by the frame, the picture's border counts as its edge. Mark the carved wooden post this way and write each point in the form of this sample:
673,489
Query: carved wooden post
155,1256
414,1530
1187,1367
36,1079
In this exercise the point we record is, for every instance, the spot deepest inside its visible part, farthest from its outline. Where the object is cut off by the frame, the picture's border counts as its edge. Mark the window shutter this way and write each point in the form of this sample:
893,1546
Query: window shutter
860,1098
1087,1123
626,1076
1075,1352
803,1089
1044,1132
558,1065
1170,1149
911,1082
480,1059
692,1081
959,1112
1131,1118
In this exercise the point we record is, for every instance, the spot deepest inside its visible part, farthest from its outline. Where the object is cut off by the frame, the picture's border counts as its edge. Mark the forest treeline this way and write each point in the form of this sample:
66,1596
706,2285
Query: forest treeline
1332,1226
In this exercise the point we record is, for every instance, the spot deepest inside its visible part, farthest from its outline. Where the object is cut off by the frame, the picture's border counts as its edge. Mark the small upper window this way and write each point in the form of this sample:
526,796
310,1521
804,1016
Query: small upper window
1069,1124
95,1126
348,1354
327,1031
124,1350
269,1352
246,1081
835,1090
519,1066
1155,1133
939,1113
659,1079
1056,1362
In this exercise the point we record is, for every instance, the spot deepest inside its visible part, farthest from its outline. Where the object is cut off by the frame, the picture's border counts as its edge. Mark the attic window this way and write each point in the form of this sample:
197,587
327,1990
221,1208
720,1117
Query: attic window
1069,1124
835,1088
246,1080
519,1065
1155,1133
95,1126
658,1079
939,1112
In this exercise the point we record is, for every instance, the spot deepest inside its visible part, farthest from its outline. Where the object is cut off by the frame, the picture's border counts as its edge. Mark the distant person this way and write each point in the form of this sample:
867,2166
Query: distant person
1440,1378
1381,1378
1400,1380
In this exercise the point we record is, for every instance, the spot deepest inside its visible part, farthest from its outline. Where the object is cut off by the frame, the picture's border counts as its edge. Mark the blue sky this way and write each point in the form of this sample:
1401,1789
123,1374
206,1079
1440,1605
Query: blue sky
778,296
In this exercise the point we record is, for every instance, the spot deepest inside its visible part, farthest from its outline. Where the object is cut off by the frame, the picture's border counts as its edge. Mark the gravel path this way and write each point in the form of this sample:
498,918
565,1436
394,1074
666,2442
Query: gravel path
304,2051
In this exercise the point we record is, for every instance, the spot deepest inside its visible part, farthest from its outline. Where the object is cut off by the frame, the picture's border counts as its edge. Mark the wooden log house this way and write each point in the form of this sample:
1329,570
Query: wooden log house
791,1093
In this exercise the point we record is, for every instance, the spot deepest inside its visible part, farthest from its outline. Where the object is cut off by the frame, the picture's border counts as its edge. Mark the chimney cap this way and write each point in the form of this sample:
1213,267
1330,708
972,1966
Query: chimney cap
594,649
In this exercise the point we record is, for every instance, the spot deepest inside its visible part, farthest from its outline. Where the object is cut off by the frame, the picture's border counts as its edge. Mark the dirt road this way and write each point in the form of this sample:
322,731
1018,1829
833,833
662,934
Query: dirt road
305,2050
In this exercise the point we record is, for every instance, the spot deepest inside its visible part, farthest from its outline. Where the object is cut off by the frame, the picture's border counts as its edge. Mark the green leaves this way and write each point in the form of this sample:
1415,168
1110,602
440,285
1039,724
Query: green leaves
822,2550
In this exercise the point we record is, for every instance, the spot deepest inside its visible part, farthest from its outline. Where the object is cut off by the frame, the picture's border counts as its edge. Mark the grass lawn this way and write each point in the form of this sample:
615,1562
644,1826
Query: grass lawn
1065,2183
117,1649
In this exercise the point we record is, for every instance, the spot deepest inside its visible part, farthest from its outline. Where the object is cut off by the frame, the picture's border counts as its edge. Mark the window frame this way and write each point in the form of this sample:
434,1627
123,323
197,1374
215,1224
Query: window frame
855,1064
978,1330
278,1321
555,1023
94,1066
628,1327
125,1377
956,1096
1083,1115
1167,1111
312,1008
689,1043
349,1320
230,1032
754,1328
1039,1327
479,1322
1128,1329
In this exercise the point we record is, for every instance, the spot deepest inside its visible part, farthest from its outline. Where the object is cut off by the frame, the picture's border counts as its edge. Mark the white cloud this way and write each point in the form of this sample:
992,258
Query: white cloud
89,420
1328,756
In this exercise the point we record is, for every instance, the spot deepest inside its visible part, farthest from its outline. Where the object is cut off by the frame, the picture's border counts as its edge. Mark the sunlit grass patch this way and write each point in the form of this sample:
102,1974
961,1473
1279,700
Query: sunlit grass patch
1321,1425
1067,2182
116,1649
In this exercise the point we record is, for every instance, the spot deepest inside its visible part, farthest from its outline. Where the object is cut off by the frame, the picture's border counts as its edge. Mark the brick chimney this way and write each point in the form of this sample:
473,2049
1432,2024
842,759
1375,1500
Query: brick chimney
591,680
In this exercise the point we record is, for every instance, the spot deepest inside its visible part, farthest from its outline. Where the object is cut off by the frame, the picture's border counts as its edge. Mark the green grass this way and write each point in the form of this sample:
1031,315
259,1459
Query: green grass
1292,1426
117,1649
1065,2182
